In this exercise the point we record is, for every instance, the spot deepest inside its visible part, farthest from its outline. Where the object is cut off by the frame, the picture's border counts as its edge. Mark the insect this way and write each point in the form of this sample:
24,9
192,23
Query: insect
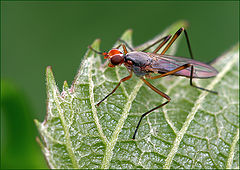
143,64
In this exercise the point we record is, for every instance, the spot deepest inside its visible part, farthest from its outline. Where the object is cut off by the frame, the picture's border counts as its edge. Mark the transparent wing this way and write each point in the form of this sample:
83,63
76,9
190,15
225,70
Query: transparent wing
165,63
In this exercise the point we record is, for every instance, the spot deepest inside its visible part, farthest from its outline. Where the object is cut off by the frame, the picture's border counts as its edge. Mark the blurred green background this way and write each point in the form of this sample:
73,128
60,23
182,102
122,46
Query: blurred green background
35,35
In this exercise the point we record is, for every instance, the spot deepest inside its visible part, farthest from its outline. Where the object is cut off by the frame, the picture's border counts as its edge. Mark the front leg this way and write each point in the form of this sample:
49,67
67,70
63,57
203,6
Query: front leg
161,105
122,80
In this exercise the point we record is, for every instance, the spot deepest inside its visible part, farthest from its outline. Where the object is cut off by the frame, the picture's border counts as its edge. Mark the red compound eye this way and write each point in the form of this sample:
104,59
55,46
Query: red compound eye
117,59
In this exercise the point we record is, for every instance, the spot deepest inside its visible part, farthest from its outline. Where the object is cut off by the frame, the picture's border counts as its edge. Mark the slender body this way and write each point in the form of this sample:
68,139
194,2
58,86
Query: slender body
143,64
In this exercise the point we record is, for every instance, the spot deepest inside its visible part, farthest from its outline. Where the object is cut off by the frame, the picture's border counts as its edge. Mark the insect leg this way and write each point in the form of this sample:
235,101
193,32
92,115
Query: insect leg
171,72
98,52
122,80
179,69
127,45
164,39
188,43
101,53
176,35
162,44
161,105
191,83
118,46
124,48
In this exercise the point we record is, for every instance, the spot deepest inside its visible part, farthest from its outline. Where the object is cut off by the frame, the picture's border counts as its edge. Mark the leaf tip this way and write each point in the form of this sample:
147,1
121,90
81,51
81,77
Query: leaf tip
49,73
50,81
129,31
65,86
37,123
185,23
127,35
175,26
49,68
236,47
96,44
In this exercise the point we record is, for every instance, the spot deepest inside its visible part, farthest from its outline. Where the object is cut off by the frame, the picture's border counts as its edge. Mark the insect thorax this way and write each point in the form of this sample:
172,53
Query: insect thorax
139,61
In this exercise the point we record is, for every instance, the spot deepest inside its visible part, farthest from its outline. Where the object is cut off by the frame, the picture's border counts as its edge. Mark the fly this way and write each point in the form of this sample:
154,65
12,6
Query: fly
143,64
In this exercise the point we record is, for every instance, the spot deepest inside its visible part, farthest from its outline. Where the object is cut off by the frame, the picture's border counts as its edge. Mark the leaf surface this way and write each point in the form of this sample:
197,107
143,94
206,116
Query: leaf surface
196,129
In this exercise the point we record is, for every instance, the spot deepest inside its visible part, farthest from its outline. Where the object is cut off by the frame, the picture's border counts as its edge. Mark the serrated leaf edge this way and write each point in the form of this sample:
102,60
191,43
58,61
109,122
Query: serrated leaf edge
51,84
191,115
131,97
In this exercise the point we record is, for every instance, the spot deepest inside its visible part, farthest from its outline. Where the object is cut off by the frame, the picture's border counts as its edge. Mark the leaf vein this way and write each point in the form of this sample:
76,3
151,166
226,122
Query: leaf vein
231,153
119,126
66,130
191,116
170,123
94,110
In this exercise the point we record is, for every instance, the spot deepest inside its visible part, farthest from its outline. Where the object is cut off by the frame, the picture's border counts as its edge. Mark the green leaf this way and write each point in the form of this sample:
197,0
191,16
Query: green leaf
196,129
